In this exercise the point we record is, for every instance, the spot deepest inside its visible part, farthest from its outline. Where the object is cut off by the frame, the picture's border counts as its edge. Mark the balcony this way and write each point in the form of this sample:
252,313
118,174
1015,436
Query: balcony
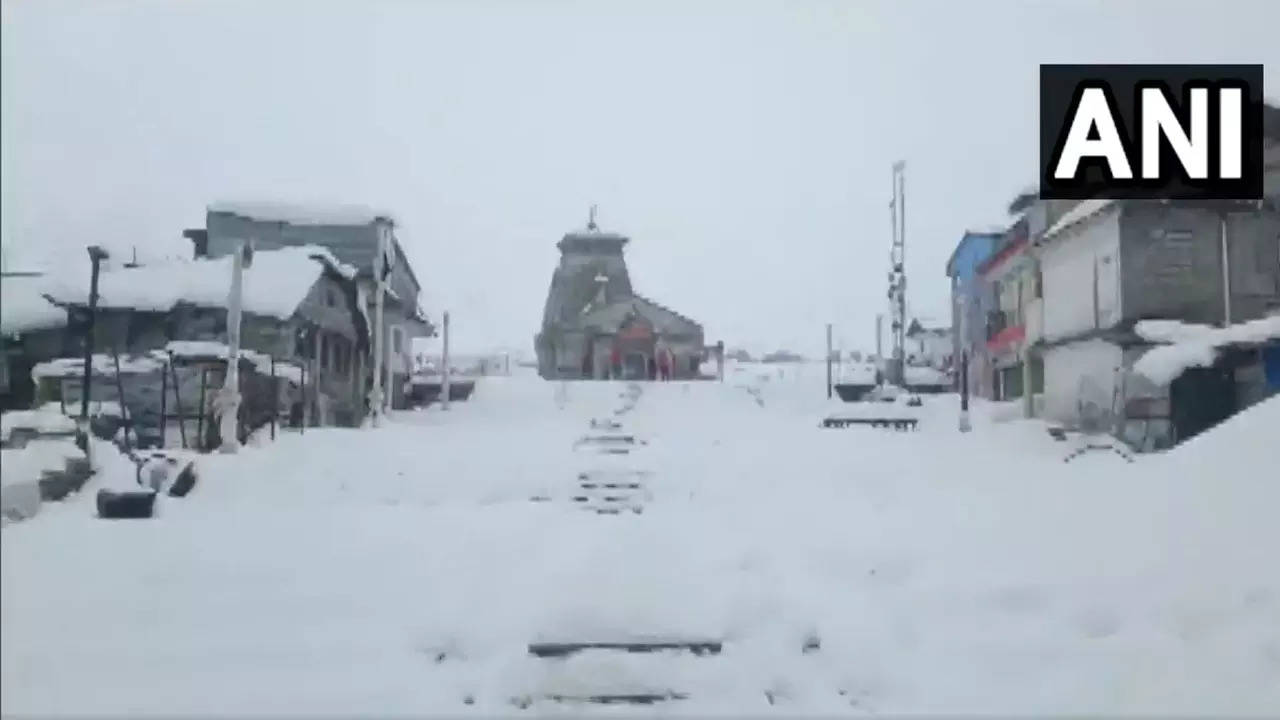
1003,331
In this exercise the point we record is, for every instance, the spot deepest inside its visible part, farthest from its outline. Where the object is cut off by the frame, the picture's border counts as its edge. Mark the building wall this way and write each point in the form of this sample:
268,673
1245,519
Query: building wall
1253,242
1271,171
974,249
1173,261
1081,274
356,245
18,354
1077,373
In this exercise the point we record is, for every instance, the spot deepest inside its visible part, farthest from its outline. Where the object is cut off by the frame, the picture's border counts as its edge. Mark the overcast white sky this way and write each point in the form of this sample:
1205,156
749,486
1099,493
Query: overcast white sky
744,146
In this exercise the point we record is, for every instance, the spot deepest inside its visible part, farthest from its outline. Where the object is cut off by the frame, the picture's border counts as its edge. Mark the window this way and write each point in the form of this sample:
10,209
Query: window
397,340
330,297
324,352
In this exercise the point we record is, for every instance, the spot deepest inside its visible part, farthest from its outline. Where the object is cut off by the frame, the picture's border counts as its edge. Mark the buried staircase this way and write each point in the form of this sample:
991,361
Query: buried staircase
626,668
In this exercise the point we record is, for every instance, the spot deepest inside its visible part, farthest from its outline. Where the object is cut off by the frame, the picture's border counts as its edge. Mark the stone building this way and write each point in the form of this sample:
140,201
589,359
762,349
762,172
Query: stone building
596,326
301,325
350,233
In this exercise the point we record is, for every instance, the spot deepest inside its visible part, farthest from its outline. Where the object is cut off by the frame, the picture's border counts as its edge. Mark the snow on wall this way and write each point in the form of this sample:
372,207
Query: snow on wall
1068,266
1080,372
304,214
1194,345
275,283
1082,210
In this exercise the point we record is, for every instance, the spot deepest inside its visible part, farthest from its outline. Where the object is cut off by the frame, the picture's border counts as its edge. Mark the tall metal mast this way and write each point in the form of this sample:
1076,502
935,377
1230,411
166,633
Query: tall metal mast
898,274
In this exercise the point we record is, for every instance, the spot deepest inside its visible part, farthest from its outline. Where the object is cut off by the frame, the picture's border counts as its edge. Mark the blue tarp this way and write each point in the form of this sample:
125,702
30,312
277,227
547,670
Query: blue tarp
1271,364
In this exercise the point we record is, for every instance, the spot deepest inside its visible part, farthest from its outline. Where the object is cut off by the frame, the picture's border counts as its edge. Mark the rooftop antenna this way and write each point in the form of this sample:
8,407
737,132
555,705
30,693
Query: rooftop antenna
591,219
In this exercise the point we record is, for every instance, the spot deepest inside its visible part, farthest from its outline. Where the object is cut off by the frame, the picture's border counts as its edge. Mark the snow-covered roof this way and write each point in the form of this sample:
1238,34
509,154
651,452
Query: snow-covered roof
208,349
155,360
1192,345
1081,210
275,283
23,306
304,214
102,364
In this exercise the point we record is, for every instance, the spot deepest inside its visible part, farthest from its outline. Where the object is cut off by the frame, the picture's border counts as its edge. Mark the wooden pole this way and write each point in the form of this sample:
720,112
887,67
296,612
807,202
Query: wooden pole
230,394
444,364
96,256
204,380
379,339
275,400
302,394
124,413
177,400
828,361
164,401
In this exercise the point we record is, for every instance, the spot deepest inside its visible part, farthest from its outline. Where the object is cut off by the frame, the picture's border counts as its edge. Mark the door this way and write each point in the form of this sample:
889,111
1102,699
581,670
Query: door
1201,398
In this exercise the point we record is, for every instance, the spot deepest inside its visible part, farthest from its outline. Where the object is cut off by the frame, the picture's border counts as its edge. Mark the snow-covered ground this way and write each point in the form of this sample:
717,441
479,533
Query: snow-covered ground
404,569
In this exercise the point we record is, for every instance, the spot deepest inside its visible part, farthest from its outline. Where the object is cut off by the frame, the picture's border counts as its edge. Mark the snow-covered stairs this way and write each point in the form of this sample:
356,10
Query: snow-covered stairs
611,492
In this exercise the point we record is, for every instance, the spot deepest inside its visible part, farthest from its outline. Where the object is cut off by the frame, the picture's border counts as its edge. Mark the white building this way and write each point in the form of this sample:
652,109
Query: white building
1080,268
930,347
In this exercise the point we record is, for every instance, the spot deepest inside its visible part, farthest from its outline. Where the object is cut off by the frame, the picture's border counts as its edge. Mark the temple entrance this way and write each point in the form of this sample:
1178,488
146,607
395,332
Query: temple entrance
635,366
635,343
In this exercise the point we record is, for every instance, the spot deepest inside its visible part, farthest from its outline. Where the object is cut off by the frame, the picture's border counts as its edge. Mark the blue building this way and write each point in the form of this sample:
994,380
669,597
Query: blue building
968,297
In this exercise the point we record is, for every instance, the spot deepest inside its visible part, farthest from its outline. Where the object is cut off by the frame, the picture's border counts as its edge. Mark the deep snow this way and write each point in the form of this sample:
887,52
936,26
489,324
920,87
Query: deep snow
942,572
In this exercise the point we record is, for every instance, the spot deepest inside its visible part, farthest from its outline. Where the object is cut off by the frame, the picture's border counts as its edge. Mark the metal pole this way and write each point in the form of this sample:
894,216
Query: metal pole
164,403
902,282
444,362
177,401
375,395
96,256
880,336
275,397
1226,269
204,380
230,395
302,395
828,361
964,366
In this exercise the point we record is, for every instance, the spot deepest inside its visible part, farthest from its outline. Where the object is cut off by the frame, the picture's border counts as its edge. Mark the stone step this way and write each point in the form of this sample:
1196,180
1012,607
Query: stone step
565,649
881,422
589,485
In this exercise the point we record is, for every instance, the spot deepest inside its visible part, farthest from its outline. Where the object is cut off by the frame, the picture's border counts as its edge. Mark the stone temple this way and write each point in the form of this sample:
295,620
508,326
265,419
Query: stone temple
595,325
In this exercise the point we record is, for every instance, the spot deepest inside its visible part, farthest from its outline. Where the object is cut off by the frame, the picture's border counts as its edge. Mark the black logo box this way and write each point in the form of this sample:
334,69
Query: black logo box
1059,88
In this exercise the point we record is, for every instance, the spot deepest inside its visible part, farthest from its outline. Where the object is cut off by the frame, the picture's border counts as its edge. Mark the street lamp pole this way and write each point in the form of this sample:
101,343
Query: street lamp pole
96,256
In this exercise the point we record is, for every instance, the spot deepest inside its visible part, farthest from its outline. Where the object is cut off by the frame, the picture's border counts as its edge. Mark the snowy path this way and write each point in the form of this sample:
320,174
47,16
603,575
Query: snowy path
405,570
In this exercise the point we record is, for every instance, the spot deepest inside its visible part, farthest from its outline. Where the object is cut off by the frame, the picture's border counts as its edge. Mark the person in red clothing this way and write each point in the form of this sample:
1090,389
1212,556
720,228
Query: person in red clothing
615,363
664,363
